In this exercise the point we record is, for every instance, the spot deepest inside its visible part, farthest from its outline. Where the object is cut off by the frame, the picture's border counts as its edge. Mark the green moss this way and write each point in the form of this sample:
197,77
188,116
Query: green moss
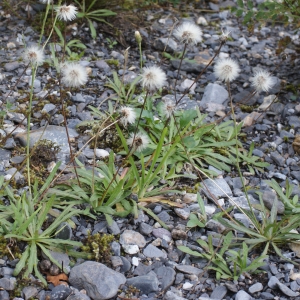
99,247
112,62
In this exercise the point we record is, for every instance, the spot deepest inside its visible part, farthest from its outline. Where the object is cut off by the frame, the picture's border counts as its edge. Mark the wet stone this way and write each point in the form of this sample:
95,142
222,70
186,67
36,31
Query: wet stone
145,283
60,292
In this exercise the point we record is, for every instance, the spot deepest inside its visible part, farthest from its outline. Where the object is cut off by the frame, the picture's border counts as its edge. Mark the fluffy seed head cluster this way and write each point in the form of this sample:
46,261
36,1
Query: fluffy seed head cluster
73,75
46,1
262,81
226,69
153,78
188,33
225,35
139,142
66,12
128,115
33,56
168,108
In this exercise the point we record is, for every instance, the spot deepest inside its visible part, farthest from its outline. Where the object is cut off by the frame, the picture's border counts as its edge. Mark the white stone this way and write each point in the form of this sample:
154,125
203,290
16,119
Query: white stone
187,286
202,21
135,261
131,249
101,153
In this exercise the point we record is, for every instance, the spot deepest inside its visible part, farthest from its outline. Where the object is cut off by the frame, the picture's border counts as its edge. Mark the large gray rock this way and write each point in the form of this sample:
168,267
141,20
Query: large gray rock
56,134
214,93
99,281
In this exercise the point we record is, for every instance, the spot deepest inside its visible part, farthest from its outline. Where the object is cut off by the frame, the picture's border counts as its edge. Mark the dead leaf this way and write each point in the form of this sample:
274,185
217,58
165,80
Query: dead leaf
295,247
161,200
57,279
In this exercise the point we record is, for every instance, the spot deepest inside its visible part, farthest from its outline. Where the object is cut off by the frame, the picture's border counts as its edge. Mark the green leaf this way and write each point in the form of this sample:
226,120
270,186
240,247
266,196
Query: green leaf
239,13
194,221
22,262
250,4
189,251
240,3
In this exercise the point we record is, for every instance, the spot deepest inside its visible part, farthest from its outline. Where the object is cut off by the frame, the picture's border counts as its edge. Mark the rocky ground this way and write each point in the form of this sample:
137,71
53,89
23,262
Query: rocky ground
146,263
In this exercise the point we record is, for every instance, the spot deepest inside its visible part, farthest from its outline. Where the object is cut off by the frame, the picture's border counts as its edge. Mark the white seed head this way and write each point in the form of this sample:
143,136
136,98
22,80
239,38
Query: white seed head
262,81
139,142
168,108
226,69
128,115
33,56
46,1
138,37
73,75
153,78
66,12
188,33
225,35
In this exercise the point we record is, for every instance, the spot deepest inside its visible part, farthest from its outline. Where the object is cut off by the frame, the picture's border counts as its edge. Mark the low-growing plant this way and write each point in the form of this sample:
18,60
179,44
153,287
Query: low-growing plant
25,219
198,220
93,15
291,204
228,264
268,233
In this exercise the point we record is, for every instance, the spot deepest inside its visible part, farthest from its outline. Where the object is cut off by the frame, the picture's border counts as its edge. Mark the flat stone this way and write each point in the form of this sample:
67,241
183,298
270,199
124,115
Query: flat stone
182,213
60,292
214,93
145,283
99,281
215,226
165,44
131,237
152,251
219,292
273,282
145,228
29,292
269,198
52,133
189,269
162,233
277,158
8,284
254,288
242,295
287,291
4,154
172,296
211,188
166,277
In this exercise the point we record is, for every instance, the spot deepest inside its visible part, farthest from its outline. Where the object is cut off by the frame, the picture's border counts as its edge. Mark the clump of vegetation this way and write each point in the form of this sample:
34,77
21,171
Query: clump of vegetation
99,246
9,248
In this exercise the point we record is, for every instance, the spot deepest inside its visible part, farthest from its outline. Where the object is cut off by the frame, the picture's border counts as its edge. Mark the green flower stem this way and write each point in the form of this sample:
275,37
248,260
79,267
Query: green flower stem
33,72
141,54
